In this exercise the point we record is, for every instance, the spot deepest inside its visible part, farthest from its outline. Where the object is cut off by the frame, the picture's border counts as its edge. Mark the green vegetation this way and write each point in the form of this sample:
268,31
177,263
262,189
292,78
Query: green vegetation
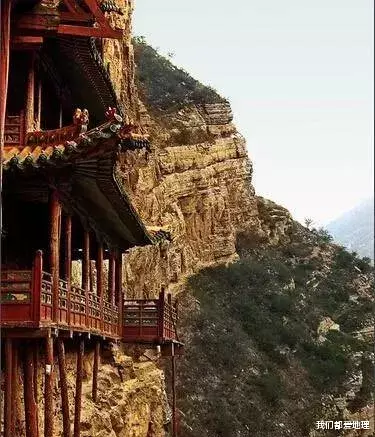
165,86
256,356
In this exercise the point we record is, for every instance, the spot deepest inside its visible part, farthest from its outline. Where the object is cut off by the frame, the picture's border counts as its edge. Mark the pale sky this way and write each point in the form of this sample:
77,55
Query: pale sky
299,77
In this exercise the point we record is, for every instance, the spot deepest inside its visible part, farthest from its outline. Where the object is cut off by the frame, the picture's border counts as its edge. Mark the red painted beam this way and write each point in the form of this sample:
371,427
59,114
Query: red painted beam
97,32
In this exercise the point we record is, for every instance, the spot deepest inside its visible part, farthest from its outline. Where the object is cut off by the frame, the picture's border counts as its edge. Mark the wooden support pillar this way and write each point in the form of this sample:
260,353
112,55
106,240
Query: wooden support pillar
30,95
39,105
78,396
112,277
60,116
174,397
4,69
95,371
55,219
68,258
68,249
63,387
119,295
31,412
35,376
8,388
15,387
99,270
48,389
99,279
86,261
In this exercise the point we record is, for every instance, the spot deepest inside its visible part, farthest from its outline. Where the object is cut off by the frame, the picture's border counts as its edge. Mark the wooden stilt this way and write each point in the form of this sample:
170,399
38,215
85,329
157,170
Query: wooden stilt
48,387
29,115
14,388
174,398
55,217
63,387
35,367
31,417
35,376
95,371
86,261
78,397
8,388
112,277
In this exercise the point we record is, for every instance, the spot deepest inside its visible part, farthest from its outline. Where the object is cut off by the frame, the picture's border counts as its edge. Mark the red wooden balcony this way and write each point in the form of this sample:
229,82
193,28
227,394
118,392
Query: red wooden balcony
150,321
27,302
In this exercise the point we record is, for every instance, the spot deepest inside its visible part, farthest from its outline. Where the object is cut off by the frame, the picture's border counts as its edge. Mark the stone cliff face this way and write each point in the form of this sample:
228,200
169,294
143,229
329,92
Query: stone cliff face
195,183
132,398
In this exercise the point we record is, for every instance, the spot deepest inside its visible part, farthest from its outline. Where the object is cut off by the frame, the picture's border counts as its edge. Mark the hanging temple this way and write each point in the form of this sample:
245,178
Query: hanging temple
62,131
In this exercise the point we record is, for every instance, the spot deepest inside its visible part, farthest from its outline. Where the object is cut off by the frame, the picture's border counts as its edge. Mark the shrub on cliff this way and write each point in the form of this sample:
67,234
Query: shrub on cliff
254,355
166,86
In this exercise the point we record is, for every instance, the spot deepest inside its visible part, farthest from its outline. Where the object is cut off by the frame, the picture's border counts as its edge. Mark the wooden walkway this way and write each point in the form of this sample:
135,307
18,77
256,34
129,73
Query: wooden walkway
27,303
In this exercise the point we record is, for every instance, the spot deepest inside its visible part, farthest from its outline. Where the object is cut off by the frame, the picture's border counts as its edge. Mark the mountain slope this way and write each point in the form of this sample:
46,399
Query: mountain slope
272,341
355,229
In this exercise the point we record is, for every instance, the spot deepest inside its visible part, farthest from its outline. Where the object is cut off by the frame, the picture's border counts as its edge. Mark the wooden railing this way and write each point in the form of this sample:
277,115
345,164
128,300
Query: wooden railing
15,133
27,301
152,320
14,130
52,137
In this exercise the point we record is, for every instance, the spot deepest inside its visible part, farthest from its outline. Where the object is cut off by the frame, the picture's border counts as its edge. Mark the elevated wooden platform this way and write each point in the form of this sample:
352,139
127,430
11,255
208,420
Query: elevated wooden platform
27,308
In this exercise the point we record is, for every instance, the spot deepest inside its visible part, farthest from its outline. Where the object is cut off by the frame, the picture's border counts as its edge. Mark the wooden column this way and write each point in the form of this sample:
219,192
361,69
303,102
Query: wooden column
86,261
174,398
112,277
37,283
4,69
60,116
63,387
15,387
30,95
55,218
68,249
95,371
78,396
99,269
68,258
39,105
31,412
48,389
99,279
119,296
8,387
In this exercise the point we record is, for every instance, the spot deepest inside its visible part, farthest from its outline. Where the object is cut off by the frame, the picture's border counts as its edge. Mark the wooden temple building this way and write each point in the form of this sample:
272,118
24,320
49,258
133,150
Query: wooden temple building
62,130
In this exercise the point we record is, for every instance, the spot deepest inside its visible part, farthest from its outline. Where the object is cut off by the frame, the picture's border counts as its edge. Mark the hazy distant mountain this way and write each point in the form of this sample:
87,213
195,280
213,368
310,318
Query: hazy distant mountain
355,229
